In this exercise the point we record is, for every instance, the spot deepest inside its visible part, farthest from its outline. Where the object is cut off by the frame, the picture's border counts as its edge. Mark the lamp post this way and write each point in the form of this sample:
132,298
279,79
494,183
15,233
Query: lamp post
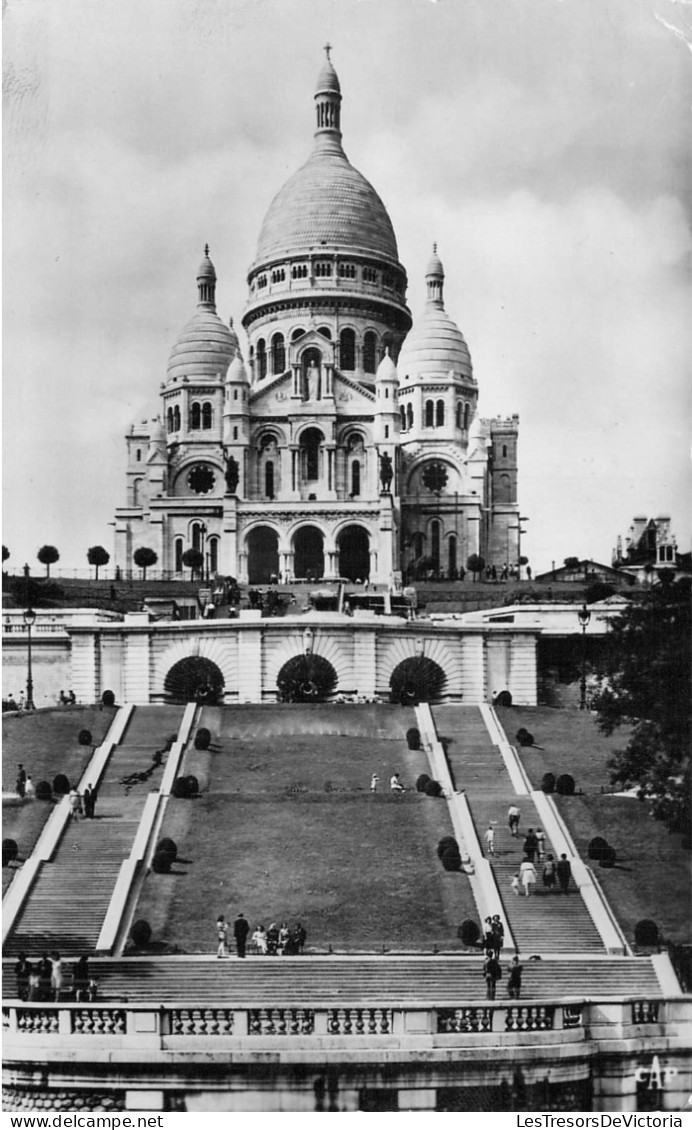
29,617
522,518
584,617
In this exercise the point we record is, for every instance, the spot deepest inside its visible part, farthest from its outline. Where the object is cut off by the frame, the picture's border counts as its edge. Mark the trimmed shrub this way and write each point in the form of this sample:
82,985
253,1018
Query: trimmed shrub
422,782
446,842
548,783
162,862
108,698
469,932
504,698
61,785
524,737
10,851
84,737
433,788
596,847
413,738
44,791
450,859
565,784
608,856
169,846
202,738
185,786
646,932
141,932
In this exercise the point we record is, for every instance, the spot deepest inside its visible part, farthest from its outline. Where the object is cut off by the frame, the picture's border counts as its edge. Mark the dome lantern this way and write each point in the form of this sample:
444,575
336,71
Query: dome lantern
328,106
206,281
435,277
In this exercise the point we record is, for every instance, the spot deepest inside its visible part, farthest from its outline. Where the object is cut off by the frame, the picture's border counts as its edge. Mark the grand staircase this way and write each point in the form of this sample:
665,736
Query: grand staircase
68,902
547,921
354,980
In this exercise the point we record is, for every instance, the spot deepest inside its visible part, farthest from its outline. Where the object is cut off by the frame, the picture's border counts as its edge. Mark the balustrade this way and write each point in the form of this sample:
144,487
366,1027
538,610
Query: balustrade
99,1021
530,1018
572,1016
359,1021
281,1021
645,1012
202,1021
38,1021
471,1019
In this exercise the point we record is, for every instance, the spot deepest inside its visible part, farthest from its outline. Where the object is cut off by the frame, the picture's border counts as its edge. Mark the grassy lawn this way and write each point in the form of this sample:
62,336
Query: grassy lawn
651,876
571,743
287,828
46,743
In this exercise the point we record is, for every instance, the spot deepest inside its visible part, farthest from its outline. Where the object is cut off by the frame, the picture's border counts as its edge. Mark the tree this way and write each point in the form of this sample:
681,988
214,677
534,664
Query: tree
193,559
646,685
144,558
48,555
5,553
475,564
571,562
98,556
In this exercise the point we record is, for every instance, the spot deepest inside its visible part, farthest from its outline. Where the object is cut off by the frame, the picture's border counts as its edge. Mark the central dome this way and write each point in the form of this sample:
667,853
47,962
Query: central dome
326,202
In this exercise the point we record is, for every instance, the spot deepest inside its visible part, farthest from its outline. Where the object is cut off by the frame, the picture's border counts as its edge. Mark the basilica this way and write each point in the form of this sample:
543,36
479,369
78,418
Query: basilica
343,441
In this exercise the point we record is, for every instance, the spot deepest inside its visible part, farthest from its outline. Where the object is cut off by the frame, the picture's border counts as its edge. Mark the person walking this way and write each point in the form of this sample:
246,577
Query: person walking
222,936
489,838
549,872
514,981
564,873
88,802
374,782
488,935
492,971
540,844
21,780
530,845
498,934
29,788
240,933
23,970
527,876
513,818
56,975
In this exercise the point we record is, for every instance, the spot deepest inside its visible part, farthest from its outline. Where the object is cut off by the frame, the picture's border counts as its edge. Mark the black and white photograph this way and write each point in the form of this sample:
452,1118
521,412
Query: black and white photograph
346,618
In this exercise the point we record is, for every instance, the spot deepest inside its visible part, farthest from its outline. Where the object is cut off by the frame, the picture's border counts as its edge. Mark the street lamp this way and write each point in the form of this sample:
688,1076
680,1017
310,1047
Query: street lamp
29,617
519,530
584,617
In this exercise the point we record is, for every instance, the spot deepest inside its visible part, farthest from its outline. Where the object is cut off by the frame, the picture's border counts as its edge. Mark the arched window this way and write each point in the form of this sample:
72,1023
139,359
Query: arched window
504,451
176,418
269,478
435,546
402,413
310,443
459,412
261,360
195,416
179,549
198,532
467,410
278,354
440,414
355,478
370,352
409,415
429,413
347,352
417,545
213,554
207,415
297,334
169,419
139,455
325,331
452,557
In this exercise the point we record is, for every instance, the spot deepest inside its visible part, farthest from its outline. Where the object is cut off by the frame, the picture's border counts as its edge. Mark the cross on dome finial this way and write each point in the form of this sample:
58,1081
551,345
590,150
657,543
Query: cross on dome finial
328,48
434,249
206,249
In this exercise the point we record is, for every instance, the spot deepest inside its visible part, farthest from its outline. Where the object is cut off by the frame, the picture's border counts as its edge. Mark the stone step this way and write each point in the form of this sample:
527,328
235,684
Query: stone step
392,980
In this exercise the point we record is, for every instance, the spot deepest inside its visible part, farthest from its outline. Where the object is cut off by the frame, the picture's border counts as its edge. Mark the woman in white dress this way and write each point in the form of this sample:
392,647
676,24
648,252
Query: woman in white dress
527,876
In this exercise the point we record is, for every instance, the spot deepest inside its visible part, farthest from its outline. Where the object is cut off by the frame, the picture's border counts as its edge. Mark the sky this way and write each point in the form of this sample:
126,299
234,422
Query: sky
545,145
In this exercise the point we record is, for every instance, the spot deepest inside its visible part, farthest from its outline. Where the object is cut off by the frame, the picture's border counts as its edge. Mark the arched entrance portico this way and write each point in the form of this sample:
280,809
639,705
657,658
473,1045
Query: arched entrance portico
354,553
263,555
308,549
